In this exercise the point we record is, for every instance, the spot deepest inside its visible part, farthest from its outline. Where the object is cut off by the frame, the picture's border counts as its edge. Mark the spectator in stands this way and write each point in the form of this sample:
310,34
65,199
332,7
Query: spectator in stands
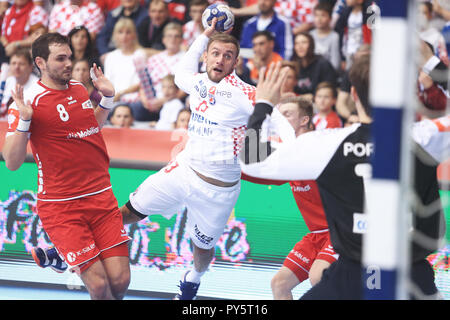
313,68
431,34
182,122
194,28
68,14
263,48
128,8
20,69
122,116
169,112
324,101
344,103
107,5
150,30
36,31
18,20
272,22
119,64
81,72
159,66
299,13
288,87
353,29
82,46
338,8
326,40
432,80
178,9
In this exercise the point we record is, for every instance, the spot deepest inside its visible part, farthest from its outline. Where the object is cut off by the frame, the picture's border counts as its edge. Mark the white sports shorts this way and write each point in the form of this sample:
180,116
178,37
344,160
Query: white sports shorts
177,186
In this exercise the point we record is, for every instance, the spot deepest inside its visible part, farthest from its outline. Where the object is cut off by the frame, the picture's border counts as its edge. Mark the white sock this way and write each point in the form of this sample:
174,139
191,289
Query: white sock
194,276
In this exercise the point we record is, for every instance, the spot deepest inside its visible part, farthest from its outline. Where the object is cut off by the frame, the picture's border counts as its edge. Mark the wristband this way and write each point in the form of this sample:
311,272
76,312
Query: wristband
106,103
23,125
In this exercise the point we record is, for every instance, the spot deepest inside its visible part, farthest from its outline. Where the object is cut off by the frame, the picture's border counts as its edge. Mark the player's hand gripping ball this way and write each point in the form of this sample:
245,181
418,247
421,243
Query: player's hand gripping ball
225,19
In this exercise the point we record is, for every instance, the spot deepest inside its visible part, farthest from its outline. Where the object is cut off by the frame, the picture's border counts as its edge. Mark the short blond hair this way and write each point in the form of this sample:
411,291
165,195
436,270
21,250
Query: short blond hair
125,23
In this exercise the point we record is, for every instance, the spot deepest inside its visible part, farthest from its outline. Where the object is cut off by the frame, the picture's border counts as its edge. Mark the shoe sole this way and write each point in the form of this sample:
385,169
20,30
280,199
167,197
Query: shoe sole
57,270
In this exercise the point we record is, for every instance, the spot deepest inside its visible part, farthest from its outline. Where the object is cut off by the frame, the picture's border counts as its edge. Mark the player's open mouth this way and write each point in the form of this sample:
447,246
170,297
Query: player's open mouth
218,70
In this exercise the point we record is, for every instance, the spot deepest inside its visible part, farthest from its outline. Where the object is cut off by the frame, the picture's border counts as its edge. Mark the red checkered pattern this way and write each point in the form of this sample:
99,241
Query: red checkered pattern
296,11
246,88
64,17
37,15
159,66
238,136
190,32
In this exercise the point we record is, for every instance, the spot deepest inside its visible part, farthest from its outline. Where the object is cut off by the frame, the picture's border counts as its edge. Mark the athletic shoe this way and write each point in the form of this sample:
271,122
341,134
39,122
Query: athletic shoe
188,290
49,258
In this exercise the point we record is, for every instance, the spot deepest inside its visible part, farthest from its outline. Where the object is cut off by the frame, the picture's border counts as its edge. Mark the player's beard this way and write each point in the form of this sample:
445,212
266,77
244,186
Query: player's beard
62,77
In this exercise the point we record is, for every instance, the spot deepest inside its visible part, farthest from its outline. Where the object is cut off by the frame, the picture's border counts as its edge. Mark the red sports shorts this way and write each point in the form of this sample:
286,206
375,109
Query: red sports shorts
315,245
85,229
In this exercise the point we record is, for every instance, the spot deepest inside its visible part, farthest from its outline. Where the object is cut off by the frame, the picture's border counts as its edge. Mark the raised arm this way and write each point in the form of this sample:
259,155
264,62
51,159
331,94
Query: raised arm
188,65
268,92
106,88
15,146
299,159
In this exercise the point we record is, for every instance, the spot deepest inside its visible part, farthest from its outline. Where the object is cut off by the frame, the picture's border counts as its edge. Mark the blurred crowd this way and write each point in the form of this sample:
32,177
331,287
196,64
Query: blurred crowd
139,42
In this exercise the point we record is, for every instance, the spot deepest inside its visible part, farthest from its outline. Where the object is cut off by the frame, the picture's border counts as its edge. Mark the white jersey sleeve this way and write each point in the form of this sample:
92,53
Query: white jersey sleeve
187,68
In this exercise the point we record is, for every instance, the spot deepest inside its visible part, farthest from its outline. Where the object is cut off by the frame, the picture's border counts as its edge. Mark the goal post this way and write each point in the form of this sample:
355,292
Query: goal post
386,243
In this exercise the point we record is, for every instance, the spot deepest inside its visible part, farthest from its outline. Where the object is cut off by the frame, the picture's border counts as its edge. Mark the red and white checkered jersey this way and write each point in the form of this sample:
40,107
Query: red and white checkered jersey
160,65
190,32
37,15
296,11
65,16
66,142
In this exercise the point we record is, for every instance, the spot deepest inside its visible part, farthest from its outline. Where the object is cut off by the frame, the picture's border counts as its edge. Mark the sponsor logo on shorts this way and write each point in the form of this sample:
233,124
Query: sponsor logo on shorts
71,257
301,189
300,256
201,236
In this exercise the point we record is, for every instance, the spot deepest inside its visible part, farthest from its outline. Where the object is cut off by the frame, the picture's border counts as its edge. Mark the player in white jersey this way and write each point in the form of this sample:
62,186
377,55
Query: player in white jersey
205,176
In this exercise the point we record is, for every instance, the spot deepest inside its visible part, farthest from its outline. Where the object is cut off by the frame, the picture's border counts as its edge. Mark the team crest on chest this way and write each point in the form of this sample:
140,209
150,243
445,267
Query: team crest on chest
211,95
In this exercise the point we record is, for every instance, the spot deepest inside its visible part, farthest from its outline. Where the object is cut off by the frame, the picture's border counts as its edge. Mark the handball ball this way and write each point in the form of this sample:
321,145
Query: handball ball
225,19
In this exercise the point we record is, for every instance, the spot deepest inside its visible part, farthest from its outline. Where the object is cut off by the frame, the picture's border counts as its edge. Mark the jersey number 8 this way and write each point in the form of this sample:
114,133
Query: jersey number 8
62,112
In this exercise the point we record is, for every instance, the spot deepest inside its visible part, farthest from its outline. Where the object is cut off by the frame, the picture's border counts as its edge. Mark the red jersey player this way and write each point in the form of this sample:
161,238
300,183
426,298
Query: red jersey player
314,253
75,201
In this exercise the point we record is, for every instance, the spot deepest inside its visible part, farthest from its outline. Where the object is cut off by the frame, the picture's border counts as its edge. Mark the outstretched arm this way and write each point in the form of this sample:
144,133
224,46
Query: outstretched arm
268,93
